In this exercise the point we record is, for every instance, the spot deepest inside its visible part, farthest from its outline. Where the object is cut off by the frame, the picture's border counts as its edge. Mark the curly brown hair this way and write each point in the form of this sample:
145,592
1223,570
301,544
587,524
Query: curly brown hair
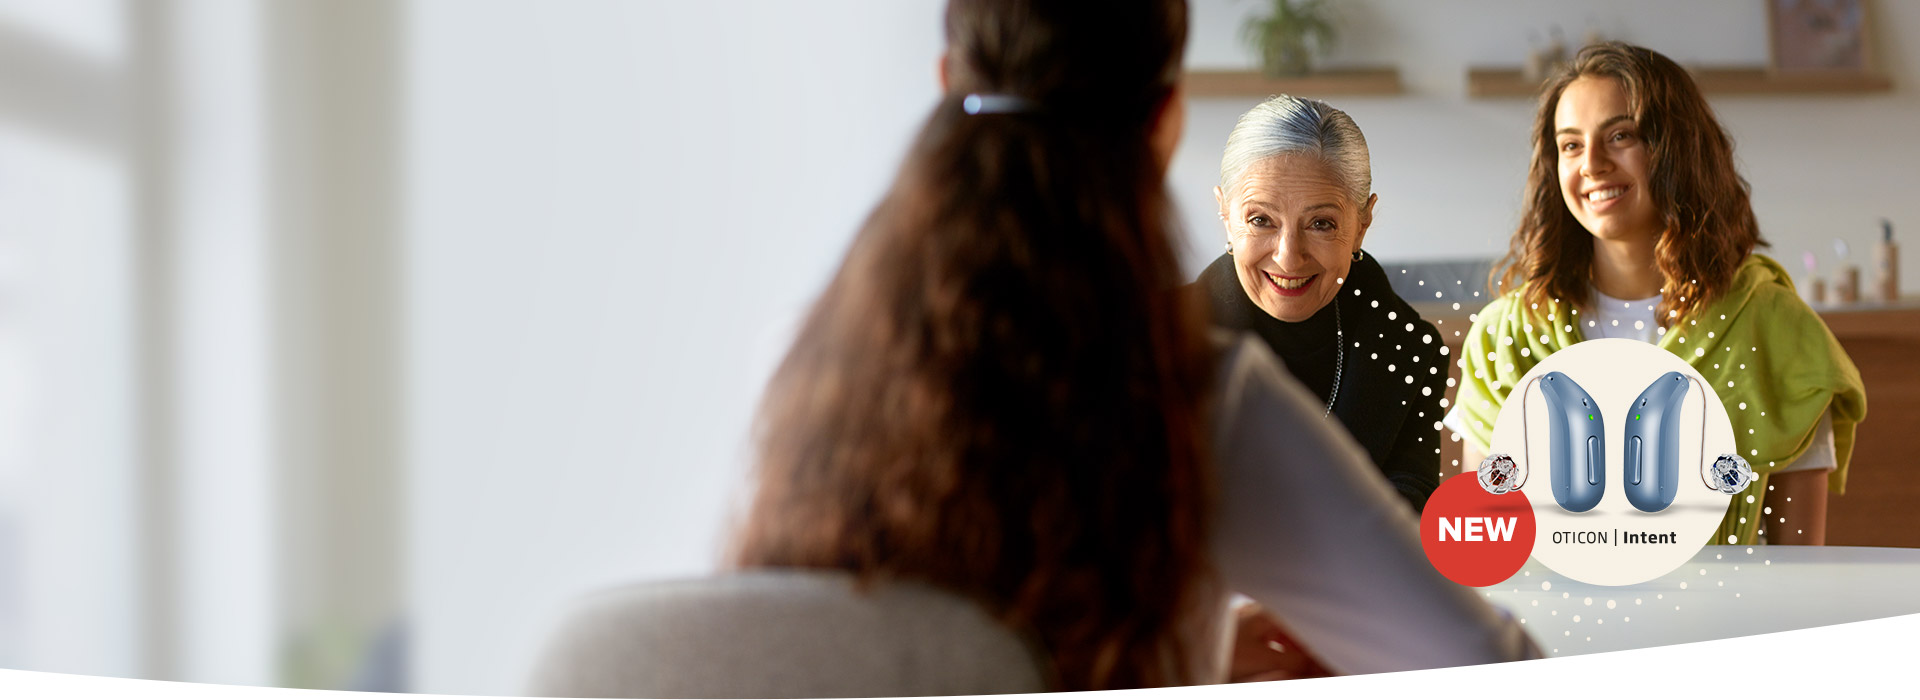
1000,391
1703,202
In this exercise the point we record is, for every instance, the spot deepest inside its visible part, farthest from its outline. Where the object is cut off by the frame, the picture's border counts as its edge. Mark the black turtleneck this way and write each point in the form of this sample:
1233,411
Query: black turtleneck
1388,415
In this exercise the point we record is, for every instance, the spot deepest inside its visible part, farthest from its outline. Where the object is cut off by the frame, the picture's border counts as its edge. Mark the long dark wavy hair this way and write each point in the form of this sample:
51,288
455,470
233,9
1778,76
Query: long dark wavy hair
1703,202
1000,392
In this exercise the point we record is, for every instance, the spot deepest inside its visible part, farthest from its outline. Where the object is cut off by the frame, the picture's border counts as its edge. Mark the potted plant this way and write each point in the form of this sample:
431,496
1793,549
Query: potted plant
1288,39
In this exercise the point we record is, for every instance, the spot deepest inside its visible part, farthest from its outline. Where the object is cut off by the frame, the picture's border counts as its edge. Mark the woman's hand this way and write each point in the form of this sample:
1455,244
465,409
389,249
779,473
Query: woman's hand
1262,651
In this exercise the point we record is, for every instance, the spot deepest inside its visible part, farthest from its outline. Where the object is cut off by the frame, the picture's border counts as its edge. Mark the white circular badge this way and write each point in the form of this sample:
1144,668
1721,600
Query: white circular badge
1620,428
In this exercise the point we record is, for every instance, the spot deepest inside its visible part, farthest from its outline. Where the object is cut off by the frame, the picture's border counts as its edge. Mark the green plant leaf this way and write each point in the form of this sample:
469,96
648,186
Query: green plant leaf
1292,22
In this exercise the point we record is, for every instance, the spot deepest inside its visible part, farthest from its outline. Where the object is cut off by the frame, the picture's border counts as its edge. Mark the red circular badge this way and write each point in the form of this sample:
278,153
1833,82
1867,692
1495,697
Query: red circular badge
1473,537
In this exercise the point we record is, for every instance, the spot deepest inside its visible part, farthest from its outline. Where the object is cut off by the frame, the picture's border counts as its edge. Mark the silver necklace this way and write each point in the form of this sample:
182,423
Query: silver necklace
1339,356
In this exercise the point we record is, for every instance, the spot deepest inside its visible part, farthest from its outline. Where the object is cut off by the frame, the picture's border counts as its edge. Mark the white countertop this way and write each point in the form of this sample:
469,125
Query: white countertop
1773,589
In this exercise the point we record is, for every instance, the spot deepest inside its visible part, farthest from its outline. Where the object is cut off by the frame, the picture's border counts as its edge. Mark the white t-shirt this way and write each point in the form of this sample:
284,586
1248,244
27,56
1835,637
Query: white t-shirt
1619,318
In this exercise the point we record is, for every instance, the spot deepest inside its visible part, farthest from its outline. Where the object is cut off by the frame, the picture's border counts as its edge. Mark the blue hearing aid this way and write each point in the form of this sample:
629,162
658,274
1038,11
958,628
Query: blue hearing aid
1651,469
1652,465
1579,467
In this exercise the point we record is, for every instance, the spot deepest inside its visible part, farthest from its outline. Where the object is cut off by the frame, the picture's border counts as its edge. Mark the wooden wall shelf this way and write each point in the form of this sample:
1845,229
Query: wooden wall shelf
1720,80
1337,81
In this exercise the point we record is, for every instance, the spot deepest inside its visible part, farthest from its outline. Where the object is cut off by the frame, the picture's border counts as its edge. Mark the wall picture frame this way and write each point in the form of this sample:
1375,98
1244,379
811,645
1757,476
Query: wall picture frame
1820,36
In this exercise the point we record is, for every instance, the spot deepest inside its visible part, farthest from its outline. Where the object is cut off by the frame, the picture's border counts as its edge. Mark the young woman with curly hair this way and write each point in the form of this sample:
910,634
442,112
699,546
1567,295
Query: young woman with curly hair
1638,225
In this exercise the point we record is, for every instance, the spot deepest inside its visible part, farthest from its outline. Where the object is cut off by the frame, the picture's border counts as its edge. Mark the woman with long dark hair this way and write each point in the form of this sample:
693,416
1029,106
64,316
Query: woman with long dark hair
1001,393
1639,226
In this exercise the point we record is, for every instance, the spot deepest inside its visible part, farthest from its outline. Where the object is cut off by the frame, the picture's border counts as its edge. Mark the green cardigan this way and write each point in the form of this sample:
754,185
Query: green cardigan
1784,364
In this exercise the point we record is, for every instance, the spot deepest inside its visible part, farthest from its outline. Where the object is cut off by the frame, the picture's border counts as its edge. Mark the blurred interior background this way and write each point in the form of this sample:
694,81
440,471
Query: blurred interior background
343,342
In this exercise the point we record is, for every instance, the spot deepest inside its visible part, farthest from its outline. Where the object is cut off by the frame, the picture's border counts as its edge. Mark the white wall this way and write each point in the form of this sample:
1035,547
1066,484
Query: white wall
616,210
614,207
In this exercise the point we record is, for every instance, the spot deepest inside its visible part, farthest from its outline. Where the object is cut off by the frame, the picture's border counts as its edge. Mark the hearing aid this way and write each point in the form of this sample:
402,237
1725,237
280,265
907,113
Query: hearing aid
1650,468
1577,440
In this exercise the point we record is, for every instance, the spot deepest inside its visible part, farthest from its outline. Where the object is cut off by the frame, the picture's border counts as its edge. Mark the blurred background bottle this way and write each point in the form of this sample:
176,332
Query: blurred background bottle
1886,264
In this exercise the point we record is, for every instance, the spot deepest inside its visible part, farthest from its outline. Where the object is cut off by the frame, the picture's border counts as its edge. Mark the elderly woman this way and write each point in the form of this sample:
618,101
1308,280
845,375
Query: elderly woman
1295,199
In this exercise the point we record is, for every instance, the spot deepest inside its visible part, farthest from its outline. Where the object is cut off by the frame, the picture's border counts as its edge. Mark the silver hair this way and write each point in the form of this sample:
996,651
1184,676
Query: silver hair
1287,124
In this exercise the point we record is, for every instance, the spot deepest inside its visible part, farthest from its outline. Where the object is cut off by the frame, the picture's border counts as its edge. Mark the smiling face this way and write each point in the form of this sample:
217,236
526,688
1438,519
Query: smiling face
1294,229
1604,162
